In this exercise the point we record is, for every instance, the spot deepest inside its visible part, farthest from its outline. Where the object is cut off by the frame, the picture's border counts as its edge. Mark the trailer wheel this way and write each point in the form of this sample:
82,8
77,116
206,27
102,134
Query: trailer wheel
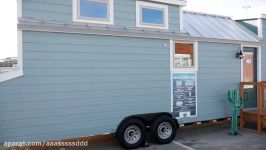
163,129
131,133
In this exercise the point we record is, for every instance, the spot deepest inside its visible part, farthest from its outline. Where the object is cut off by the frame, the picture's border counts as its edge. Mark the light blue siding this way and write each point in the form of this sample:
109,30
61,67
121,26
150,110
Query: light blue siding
174,17
263,57
219,71
61,10
80,85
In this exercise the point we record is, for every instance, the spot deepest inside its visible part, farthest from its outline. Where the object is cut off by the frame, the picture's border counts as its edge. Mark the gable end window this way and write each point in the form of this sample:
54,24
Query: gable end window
151,15
93,11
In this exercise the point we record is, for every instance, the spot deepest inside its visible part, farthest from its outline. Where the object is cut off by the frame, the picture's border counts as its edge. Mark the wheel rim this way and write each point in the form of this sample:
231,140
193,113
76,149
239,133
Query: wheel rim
165,130
132,134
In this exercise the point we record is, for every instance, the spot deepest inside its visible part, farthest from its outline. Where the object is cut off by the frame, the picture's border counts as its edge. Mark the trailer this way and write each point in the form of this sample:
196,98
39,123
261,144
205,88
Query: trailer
92,67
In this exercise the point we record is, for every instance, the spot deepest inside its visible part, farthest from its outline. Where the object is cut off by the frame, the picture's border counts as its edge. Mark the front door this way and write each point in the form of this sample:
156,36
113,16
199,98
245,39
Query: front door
249,73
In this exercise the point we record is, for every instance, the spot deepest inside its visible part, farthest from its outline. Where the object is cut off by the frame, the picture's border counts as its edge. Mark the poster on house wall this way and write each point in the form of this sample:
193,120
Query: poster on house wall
184,95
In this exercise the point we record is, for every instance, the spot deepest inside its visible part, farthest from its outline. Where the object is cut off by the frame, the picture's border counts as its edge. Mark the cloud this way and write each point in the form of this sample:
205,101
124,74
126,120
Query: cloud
8,29
232,8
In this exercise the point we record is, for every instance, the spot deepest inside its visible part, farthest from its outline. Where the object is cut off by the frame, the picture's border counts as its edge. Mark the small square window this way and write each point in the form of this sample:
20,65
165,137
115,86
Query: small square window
184,55
151,15
93,11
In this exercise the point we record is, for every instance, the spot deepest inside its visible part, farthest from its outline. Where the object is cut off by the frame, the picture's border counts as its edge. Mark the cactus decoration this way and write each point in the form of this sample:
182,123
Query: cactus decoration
236,105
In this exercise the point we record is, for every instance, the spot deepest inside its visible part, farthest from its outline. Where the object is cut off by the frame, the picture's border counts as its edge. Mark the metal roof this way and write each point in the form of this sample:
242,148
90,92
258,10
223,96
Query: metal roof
217,27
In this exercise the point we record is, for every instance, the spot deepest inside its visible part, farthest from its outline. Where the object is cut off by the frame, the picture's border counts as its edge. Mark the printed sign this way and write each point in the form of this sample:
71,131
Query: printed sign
184,95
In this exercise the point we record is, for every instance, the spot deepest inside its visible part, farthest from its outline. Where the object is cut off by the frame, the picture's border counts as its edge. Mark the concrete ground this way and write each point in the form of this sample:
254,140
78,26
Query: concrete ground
204,137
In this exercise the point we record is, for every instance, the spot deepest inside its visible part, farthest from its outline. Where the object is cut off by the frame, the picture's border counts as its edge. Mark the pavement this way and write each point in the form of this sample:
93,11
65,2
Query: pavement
204,137
214,136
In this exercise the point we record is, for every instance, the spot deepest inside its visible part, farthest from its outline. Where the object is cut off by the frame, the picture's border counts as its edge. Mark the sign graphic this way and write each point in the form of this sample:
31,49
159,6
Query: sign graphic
184,95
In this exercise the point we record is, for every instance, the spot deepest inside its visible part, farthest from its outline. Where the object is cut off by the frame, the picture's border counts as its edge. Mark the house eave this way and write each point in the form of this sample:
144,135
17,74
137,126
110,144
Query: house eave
77,28
172,2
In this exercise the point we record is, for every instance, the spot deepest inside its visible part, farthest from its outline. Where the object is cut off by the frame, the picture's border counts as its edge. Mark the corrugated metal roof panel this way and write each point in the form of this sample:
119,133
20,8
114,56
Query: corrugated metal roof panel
217,27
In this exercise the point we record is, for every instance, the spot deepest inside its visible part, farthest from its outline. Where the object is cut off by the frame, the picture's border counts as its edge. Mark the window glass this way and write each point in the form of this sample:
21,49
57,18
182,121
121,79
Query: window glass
94,9
184,55
152,16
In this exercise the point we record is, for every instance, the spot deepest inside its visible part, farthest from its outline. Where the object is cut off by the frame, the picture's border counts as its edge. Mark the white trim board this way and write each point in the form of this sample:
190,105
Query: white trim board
260,28
171,74
173,2
181,19
19,8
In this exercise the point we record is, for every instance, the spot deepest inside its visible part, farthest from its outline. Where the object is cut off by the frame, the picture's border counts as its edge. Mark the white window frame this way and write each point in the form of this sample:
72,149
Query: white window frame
18,71
195,55
150,5
78,18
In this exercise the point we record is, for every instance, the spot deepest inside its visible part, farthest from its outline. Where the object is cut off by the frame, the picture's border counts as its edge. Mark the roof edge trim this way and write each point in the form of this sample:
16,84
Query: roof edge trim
173,2
65,28
206,14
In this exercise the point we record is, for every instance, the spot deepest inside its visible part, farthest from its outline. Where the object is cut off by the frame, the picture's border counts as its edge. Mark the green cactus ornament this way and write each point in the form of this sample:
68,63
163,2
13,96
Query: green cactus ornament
236,104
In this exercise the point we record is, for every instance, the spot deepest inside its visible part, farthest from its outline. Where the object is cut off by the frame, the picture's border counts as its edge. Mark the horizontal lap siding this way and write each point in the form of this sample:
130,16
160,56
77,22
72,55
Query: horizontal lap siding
125,13
219,71
174,17
61,10
58,10
79,85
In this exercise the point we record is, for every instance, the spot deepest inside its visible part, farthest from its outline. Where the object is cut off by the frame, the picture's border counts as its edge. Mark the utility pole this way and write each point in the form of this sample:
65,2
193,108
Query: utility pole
246,7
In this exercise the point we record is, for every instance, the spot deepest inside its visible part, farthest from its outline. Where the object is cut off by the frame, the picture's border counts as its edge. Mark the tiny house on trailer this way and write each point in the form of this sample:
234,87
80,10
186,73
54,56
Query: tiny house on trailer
90,67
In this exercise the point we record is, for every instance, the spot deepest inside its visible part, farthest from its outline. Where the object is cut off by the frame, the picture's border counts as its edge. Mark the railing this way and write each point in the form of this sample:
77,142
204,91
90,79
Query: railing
8,64
254,115
261,86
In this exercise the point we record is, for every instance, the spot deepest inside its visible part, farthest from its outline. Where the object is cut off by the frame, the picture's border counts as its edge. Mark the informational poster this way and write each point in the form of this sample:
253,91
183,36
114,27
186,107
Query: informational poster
184,94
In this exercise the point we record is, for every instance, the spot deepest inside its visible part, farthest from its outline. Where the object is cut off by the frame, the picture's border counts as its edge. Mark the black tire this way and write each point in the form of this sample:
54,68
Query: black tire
131,126
163,129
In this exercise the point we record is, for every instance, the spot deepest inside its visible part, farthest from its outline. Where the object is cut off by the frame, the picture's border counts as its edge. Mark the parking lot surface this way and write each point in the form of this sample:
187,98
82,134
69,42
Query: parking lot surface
203,137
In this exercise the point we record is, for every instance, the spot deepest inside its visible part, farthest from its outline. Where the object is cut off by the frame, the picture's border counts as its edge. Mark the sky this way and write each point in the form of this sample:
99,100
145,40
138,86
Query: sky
232,8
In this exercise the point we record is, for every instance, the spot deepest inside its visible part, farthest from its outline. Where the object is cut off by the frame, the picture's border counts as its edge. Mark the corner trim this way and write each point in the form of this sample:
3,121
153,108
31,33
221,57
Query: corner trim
260,28
19,8
181,19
